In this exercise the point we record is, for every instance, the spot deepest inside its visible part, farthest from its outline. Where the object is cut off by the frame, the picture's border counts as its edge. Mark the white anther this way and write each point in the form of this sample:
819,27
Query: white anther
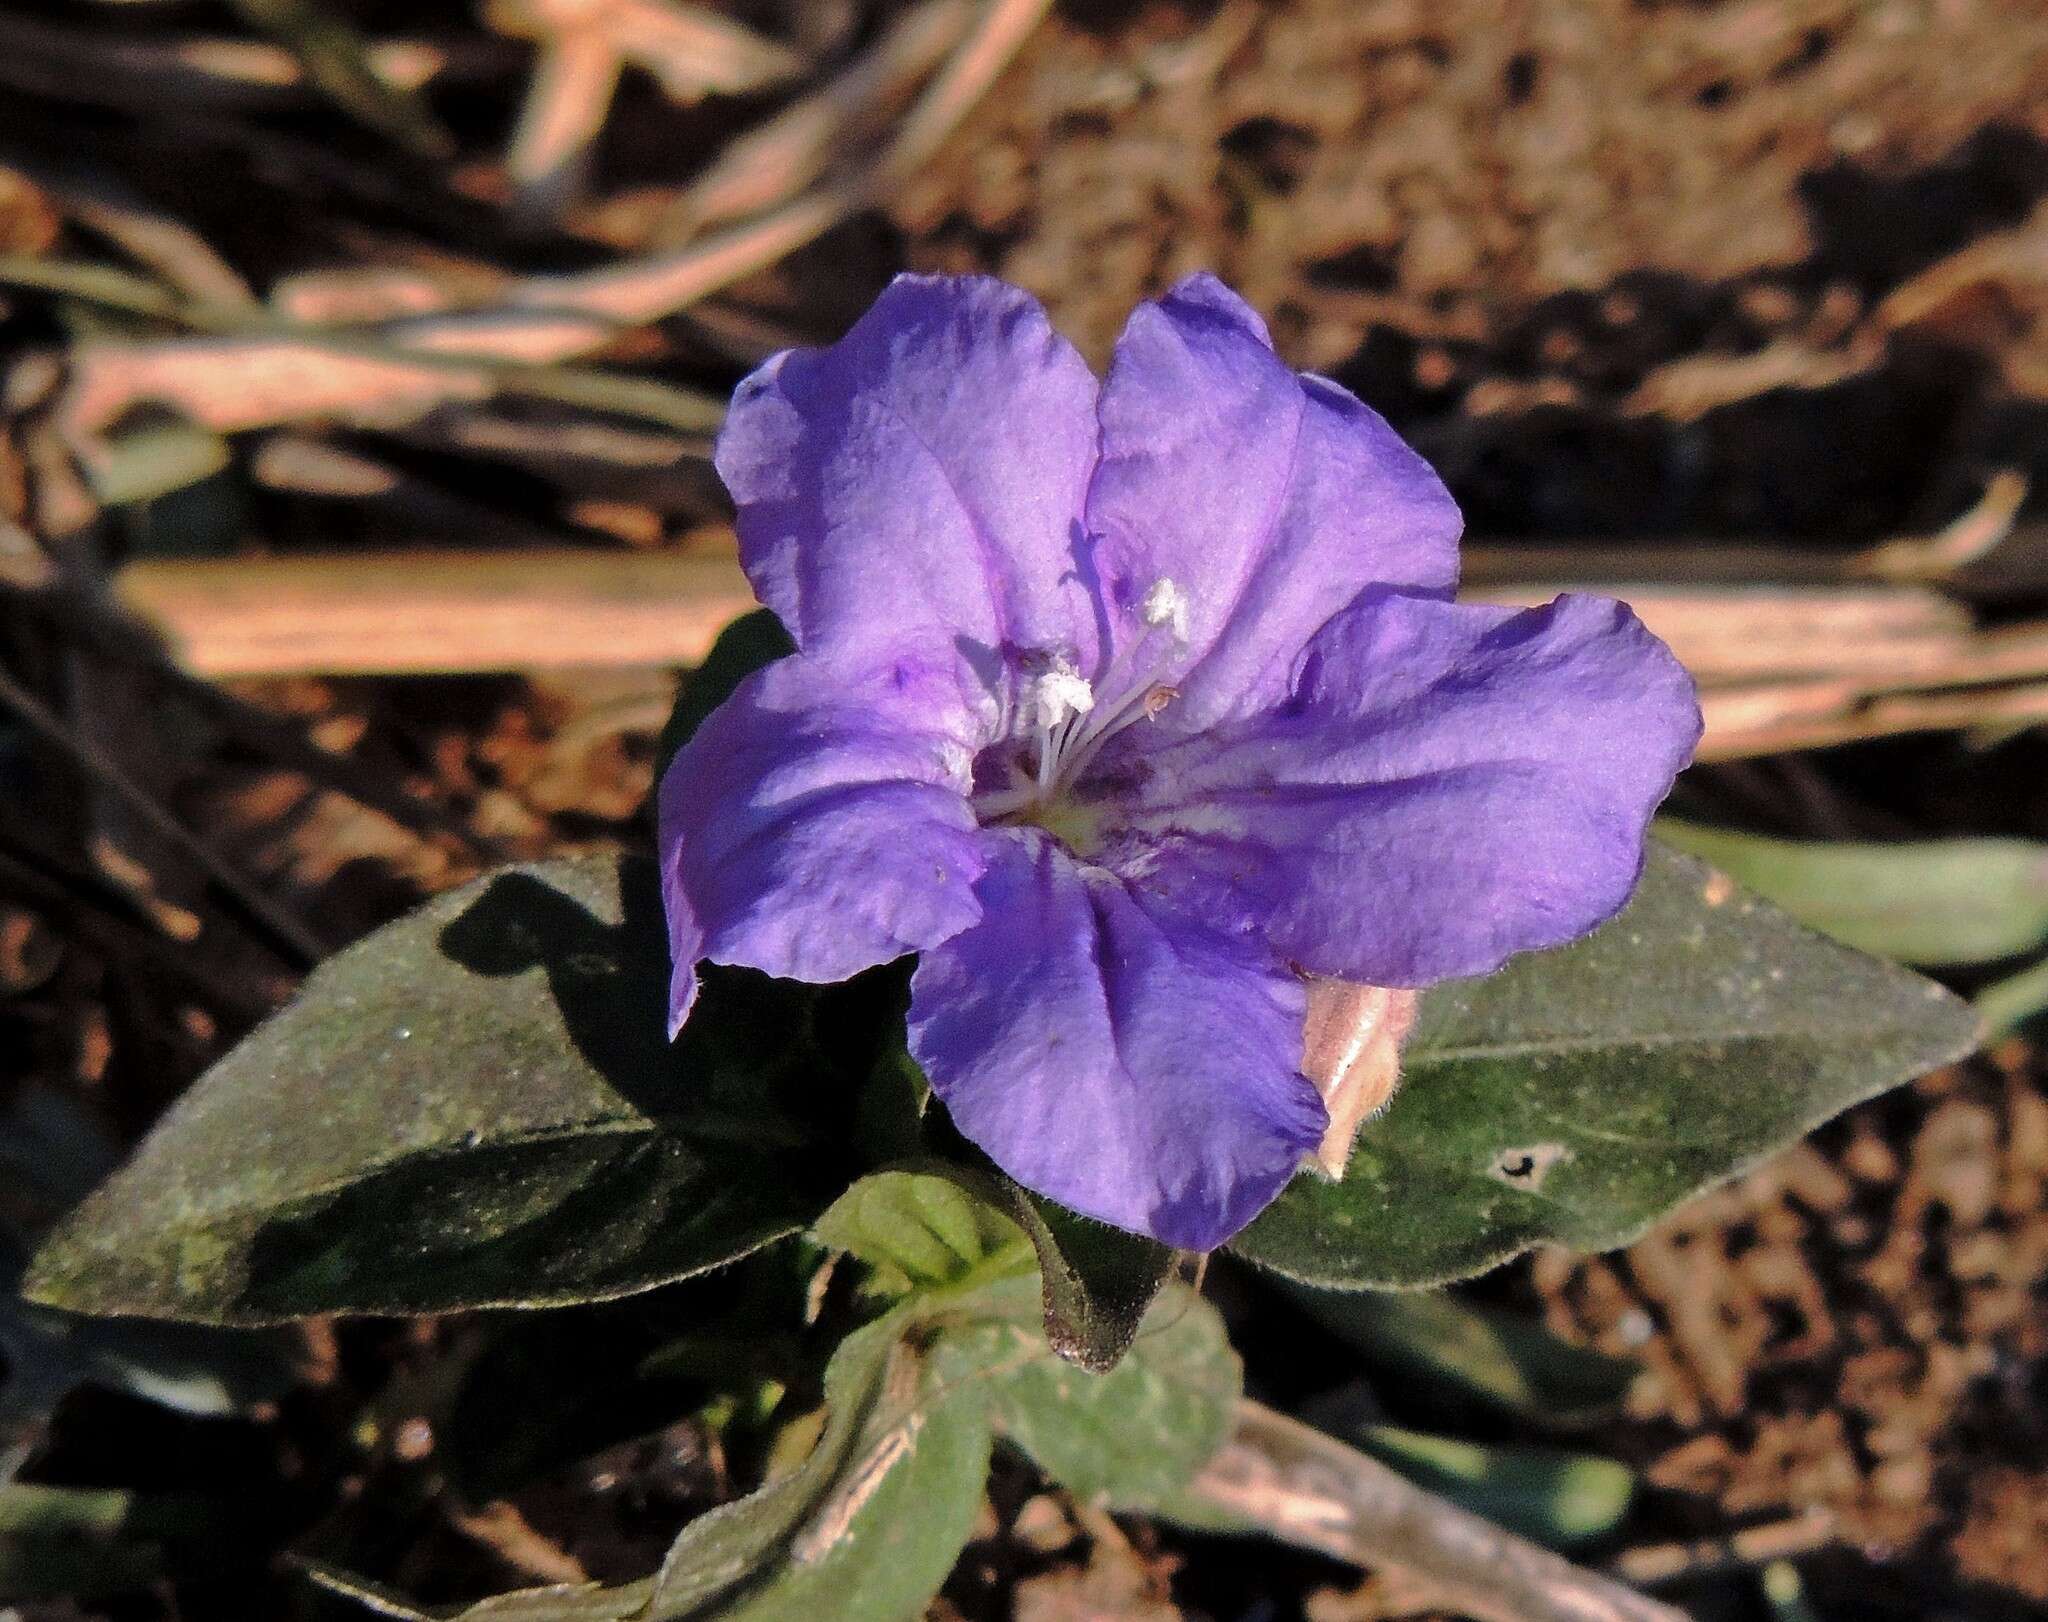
1166,605
1056,694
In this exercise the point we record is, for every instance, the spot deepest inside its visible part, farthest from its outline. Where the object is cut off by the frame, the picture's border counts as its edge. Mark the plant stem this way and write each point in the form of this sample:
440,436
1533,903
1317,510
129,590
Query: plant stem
1296,1484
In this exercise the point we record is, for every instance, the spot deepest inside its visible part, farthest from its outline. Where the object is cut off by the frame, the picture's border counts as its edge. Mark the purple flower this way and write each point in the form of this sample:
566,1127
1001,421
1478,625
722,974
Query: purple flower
1127,705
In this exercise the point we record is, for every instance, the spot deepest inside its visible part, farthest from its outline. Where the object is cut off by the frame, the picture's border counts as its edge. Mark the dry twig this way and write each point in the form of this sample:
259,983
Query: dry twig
1309,1489
1780,667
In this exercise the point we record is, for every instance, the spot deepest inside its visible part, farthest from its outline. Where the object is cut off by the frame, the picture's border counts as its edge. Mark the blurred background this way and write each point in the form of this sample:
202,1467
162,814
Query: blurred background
359,364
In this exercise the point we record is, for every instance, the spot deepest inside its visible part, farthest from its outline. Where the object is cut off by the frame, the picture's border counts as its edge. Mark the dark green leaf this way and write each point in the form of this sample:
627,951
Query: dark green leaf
474,1106
1505,1360
743,647
1932,901
1097,1281
1579,1094
1555,1497
51,1154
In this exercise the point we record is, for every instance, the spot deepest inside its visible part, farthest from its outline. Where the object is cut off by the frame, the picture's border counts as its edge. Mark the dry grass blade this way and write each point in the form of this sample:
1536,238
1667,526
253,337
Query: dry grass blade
583,47
1777,721
200,73
404,64
1984,297
243,383
1730,634
1963,541
1752,1546
104,285
337,62
643,290
238,383
692,52
1780,668
179,255
973,67
566,106
771,164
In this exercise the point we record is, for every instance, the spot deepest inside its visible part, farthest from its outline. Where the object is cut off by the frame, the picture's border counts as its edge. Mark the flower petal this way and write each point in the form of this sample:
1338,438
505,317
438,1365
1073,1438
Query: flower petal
817,823
1270,499
1449,784
922,478
1113,1054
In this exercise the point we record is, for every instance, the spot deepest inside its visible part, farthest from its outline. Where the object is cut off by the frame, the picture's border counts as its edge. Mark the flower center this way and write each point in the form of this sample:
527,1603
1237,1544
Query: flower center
1063,726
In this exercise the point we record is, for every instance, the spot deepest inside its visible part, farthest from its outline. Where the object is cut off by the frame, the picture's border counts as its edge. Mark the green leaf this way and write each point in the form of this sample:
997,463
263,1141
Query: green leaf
866,1524
473,1106
743,647
1579,1094
920,1230
1936,901
871,1522
1553,1496
1133,1437
1507,1361
719,1552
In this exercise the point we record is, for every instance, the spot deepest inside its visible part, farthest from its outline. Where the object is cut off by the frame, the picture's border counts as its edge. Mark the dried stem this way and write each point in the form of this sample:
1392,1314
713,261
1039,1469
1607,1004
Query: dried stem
1780,668
1303,1487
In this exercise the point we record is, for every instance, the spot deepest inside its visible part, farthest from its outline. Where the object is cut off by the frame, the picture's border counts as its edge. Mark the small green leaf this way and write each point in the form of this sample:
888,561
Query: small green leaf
919,1230
1505,1360
2005,1005
1579,1094
1096,1281
1553,1496
1933,901
473,1106
873,1375
743,647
